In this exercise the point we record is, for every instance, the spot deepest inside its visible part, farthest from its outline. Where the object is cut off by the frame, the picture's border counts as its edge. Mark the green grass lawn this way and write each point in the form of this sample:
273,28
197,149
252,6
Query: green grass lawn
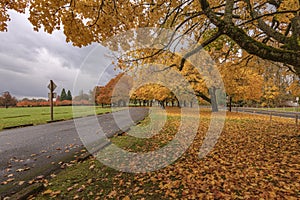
40,115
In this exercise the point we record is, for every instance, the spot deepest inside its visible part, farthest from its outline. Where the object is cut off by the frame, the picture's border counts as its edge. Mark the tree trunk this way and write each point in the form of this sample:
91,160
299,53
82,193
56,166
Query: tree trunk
178,103
230,103
213,99
162,104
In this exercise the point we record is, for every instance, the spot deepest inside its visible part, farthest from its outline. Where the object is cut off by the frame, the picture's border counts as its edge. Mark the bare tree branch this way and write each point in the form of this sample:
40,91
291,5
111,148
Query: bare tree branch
267,15
249,44
198,48
228,11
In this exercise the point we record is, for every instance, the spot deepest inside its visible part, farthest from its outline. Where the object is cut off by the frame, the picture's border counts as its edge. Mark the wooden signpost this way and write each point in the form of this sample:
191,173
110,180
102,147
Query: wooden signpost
51,95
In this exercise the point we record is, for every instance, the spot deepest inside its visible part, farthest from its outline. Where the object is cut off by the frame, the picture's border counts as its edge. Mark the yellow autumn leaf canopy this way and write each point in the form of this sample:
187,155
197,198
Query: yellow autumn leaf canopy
266,28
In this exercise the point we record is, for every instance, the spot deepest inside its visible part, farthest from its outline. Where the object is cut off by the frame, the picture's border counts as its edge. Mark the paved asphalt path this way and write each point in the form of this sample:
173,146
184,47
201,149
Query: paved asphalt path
267,112
30,152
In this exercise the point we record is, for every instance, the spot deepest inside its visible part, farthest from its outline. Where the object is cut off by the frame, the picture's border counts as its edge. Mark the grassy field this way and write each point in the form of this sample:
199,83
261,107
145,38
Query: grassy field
253,159
40,115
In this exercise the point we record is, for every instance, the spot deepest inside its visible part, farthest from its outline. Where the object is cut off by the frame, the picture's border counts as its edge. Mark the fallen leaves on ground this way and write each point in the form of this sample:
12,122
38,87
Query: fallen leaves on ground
23,169
253,159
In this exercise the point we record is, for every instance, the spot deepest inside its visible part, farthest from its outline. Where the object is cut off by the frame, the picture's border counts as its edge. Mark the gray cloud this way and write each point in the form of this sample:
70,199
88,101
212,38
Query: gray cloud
29,59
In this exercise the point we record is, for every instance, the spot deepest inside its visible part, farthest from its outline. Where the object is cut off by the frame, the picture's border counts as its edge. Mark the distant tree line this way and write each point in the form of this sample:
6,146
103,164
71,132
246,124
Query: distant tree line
26,102
273,87
64,99
65,96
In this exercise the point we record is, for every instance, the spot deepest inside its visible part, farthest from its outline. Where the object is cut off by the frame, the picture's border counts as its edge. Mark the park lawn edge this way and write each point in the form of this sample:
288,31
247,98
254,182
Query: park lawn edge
36,122
88,171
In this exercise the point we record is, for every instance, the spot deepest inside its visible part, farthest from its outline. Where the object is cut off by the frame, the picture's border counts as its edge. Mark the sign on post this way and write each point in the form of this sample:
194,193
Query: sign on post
53,86
51,95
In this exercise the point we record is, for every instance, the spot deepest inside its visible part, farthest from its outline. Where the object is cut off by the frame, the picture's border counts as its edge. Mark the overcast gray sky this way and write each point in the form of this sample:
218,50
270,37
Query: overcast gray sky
29,59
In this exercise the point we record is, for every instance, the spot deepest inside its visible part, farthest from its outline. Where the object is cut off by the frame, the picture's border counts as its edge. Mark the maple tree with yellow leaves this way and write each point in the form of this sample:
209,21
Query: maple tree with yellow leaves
294,88
266,28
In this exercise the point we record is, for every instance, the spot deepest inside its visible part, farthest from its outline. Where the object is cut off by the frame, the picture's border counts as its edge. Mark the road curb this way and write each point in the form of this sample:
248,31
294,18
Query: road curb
27,191
38,187
56,120
17,126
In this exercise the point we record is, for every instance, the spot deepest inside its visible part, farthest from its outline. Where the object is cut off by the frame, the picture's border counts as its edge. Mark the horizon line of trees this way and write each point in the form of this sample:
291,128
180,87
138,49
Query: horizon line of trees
271,88
7,100
275,89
